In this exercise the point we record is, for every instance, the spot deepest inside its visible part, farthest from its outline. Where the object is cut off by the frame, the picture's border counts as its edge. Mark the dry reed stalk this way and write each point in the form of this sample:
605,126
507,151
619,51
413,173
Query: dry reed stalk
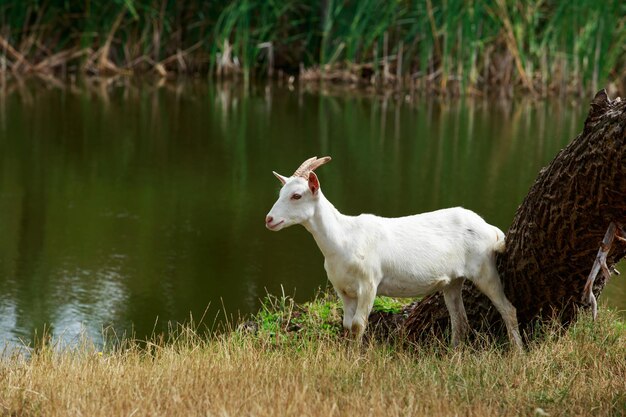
58,59
19,58
433,28
105,65
511,43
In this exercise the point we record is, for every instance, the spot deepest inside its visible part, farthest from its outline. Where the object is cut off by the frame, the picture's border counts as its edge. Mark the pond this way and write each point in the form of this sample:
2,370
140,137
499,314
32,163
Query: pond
131,206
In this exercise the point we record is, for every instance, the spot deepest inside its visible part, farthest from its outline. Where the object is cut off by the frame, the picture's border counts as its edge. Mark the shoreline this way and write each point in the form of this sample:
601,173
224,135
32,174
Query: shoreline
12,82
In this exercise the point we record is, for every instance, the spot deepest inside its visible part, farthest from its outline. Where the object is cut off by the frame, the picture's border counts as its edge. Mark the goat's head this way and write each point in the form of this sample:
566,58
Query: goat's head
297,199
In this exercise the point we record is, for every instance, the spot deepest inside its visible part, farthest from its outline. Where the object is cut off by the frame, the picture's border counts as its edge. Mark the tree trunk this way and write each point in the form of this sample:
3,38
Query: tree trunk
556,233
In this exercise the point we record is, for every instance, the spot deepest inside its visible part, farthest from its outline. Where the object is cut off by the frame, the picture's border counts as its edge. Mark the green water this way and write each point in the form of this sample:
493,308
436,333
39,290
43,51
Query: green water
131,206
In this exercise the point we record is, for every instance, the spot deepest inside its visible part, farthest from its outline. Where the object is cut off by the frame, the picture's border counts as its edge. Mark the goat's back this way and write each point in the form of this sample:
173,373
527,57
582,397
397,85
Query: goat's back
452,242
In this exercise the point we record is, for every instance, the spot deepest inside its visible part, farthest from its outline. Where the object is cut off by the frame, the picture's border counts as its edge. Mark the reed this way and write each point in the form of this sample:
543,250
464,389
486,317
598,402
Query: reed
441,46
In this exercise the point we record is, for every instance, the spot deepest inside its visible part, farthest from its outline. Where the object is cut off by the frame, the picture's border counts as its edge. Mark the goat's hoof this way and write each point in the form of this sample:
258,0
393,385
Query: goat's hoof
357,331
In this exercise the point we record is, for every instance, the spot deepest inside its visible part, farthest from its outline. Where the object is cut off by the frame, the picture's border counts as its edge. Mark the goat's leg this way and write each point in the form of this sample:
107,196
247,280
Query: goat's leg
349,308
458,318
365,302
490,285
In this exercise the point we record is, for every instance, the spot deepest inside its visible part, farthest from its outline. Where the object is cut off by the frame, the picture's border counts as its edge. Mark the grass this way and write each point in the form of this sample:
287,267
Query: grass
293,360
389,304
440,46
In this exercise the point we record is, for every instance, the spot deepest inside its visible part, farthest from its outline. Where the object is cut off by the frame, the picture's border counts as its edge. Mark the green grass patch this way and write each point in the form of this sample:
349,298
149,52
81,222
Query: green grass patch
280,315
390,304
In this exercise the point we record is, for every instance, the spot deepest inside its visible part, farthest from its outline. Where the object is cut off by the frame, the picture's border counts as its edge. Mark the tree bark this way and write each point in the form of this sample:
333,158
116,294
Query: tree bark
555,235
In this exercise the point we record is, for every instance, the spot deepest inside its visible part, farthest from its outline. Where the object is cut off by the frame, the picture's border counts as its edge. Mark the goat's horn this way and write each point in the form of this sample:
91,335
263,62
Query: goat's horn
309,165
319,163
303,167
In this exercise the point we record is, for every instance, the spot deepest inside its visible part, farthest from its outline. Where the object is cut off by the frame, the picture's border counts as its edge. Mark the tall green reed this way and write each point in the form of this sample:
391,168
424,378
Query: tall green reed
447,45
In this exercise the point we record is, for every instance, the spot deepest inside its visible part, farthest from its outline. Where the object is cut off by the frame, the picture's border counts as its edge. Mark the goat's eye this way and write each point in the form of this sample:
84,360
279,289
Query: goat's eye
296,197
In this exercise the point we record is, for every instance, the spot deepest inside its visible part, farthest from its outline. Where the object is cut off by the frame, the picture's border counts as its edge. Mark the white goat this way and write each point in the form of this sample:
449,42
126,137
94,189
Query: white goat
408,256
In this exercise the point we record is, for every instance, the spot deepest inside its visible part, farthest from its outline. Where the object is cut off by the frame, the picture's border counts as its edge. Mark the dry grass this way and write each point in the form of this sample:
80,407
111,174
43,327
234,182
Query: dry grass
314,371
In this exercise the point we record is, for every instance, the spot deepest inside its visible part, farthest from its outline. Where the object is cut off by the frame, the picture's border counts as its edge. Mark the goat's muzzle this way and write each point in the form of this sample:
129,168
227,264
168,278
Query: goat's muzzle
268,223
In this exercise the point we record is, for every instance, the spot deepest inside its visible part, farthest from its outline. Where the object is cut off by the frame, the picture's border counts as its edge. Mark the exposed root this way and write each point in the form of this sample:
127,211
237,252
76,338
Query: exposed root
612,232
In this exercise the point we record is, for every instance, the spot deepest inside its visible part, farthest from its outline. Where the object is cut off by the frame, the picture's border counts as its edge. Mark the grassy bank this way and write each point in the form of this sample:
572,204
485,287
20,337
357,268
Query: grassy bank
294,361
439,46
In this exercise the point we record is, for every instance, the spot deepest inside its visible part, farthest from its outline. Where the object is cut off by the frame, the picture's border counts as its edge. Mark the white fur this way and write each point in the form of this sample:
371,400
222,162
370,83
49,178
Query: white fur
409,256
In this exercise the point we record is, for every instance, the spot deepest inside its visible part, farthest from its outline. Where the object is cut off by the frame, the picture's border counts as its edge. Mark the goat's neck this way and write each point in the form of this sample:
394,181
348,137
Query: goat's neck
327,226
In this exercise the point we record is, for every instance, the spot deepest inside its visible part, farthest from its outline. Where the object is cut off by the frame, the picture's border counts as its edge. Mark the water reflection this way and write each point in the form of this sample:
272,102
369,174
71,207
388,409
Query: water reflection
130,205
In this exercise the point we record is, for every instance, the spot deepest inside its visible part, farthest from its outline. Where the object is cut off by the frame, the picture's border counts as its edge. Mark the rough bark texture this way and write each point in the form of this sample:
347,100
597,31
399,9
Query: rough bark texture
556,233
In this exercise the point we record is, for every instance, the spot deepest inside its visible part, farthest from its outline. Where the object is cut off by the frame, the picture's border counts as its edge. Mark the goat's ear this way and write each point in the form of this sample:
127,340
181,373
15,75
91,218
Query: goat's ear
314,183
282,179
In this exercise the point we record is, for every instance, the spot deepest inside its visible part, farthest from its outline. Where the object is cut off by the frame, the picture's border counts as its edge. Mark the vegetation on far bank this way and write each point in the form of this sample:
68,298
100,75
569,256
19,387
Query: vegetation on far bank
439,46
294,360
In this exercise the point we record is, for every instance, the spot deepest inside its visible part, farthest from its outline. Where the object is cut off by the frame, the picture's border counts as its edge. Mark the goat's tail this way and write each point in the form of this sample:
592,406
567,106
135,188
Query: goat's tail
500,244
